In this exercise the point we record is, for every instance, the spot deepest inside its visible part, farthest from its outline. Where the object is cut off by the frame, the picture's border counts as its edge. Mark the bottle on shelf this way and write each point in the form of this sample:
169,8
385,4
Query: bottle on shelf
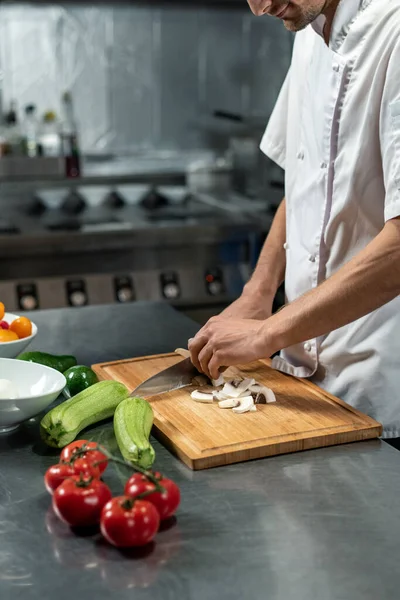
49,139
3,137
13,131
69,137
31,132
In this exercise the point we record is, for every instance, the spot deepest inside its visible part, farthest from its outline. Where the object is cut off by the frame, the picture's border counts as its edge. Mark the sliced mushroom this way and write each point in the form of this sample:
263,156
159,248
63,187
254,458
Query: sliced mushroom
229,403
256,387
253,409
245,405
202,397
265,396
218,382
233,389
219,395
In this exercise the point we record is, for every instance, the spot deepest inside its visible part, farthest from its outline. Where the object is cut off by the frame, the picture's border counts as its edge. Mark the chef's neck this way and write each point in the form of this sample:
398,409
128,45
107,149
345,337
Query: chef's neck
329,11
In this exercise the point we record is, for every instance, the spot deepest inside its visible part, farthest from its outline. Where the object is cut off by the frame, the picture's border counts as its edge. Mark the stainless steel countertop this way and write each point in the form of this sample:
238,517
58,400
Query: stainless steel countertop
317,525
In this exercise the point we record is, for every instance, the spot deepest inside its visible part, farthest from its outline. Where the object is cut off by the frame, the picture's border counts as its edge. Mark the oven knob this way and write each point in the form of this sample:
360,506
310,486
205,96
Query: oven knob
124,290
125,294
28,302
214,282
78,298
170,287
76,293
27,296
171,291
215,288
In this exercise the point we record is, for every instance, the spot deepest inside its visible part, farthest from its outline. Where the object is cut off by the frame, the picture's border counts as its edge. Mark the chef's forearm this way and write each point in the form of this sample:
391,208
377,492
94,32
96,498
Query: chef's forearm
270,270
366,283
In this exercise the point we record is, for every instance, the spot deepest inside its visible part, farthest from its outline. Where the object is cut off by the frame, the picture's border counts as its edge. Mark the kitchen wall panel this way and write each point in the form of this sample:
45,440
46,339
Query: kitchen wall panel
144,78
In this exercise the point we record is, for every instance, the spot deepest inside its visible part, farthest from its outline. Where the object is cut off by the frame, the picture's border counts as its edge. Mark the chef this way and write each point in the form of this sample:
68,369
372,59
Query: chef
335,240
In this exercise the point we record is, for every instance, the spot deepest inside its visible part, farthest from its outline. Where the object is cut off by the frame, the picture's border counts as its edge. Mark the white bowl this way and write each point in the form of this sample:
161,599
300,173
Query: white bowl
12,349
37,385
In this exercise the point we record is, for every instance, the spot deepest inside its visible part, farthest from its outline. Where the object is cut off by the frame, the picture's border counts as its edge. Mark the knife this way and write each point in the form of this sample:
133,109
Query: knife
174,378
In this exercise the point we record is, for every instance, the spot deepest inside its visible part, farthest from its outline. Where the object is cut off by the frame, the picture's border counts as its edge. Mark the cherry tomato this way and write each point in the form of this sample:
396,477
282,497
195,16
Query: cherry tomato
8,336
126,523
56,475
2,310
166,503
86,467
4,325
79,500
22,327
94,456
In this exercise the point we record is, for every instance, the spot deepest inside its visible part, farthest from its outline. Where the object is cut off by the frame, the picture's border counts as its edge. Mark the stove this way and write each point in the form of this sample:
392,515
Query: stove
101,244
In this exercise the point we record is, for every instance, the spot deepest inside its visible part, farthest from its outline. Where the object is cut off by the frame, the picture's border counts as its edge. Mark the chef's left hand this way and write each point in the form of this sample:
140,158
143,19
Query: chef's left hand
228,342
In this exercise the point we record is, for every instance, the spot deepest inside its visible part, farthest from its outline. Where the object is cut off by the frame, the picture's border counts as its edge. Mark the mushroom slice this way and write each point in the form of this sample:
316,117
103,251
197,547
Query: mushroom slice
264,396
253,408
229,403
219,395
245,405
218,382
202,397
256,387
235,388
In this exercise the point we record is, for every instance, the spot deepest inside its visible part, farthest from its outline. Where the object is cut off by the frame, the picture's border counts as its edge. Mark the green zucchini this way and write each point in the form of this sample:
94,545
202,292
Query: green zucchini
59,363
133,420
63,423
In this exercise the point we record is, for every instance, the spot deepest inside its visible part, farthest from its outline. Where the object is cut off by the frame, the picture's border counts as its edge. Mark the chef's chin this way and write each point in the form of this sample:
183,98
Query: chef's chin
299,23
298,18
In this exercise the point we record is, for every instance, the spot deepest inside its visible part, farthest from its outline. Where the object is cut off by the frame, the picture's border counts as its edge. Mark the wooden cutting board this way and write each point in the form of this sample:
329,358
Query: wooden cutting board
204,435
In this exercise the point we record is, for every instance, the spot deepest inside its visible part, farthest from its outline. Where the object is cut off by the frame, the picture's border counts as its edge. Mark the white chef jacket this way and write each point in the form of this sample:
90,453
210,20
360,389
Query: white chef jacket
336,131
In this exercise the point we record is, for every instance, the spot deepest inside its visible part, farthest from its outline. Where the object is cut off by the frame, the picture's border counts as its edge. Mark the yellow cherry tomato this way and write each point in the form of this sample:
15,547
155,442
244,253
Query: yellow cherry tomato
22,327
6,335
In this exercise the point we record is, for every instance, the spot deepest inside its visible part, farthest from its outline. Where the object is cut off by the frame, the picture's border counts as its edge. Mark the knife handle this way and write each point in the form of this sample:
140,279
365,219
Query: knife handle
186,354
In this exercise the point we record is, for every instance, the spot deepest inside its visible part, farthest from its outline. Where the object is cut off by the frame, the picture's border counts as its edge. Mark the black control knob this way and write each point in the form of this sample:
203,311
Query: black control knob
214,282
74,203
28,298
124,290
114,200
170,287
76,293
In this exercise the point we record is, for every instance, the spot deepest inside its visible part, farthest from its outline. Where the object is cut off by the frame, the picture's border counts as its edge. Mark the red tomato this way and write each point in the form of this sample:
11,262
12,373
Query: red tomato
86,467
94,456
4,325
126,523
166,503
56,475
79,500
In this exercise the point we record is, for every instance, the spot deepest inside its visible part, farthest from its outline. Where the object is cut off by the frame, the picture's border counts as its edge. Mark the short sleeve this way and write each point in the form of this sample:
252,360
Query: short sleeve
273,143
390,136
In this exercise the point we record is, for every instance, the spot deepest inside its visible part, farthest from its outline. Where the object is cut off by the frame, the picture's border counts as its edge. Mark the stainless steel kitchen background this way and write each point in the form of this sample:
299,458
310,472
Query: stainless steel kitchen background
146,81
143,77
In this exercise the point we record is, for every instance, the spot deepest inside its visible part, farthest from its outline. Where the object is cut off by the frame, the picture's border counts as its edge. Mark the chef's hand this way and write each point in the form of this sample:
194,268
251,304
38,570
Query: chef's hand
228,342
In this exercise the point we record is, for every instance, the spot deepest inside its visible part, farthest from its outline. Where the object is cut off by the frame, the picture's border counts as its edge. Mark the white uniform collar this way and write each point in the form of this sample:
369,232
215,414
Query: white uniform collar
346,13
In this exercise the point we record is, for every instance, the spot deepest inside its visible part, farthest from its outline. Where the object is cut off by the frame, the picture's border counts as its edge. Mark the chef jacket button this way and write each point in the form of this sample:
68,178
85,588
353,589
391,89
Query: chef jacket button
336,68
312,258
307,347
285,246
323,165
300,155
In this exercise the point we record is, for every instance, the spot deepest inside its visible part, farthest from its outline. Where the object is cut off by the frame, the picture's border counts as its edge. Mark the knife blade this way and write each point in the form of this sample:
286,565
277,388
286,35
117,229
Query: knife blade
173,378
